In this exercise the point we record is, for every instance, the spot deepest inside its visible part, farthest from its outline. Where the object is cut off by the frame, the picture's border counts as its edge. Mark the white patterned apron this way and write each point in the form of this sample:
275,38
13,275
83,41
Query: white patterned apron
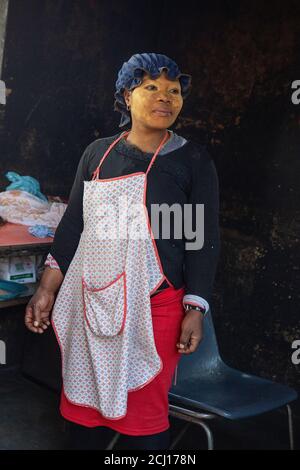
102,313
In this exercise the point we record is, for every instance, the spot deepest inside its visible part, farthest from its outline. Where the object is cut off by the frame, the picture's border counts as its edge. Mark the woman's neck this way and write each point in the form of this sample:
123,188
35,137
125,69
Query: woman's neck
146,140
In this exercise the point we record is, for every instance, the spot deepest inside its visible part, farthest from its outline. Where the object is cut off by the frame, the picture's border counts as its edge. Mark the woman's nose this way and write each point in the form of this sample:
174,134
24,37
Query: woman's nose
164,97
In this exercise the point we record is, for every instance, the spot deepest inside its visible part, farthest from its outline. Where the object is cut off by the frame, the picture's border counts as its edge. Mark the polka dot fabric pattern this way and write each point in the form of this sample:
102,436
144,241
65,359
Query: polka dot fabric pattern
100,303
102,314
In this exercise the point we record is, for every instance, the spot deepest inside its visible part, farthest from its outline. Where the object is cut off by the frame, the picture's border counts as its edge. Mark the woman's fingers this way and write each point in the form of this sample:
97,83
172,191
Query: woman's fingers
192,345
29,319
41,325
34,319
189,346
191,332
184,339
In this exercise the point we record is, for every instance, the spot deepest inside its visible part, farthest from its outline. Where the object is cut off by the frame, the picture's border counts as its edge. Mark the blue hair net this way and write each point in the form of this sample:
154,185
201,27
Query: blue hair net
131,75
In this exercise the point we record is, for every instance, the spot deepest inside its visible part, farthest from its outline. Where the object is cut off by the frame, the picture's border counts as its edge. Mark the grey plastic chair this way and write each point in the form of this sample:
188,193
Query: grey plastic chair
205,388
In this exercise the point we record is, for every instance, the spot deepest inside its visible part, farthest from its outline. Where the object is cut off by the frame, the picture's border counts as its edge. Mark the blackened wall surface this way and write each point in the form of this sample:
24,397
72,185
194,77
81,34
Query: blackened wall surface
61,61
244,57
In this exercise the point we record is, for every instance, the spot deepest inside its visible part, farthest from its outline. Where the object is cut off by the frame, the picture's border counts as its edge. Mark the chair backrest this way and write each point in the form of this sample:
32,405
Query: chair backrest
205,360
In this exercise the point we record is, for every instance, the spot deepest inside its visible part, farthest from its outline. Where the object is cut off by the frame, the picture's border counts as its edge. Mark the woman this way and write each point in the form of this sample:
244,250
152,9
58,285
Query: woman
129,306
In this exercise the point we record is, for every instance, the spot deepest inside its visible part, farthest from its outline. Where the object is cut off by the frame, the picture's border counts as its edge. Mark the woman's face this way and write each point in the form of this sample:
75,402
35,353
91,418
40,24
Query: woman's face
155,103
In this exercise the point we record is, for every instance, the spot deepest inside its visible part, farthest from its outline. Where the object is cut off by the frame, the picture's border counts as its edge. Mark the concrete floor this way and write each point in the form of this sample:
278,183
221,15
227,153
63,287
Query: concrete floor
30,420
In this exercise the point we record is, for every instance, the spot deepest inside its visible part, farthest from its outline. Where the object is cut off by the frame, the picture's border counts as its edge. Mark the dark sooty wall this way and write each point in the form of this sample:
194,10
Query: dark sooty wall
61,61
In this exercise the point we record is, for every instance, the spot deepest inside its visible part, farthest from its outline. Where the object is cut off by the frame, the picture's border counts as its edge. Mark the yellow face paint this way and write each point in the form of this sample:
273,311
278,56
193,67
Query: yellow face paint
155,103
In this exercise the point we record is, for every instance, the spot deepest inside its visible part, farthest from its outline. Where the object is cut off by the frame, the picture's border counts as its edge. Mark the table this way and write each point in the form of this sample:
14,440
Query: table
16,241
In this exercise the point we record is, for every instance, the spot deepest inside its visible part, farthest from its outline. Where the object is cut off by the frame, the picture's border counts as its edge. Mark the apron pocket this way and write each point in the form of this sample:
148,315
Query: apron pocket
105,307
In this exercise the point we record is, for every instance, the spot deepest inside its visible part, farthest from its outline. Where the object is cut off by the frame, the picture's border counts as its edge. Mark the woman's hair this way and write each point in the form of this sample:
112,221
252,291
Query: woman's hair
131,75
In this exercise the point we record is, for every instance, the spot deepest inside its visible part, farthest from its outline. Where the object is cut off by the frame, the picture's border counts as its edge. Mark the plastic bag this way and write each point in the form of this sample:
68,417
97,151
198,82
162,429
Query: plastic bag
20,207
41,231
24,183
10,290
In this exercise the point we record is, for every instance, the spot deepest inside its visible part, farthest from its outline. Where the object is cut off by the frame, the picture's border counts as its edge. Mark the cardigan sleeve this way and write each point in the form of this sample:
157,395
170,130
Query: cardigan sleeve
51,262
68,232
200,262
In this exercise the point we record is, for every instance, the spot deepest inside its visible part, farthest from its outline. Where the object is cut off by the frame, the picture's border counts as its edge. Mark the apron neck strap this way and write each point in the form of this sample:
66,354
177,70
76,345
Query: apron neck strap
96,172
157,151
124,134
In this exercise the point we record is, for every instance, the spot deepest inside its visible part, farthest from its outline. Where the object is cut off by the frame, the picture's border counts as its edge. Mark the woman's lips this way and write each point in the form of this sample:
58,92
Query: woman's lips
161,112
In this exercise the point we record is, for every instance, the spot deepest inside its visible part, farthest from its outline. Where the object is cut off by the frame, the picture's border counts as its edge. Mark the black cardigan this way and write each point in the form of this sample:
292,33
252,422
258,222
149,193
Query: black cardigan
185,175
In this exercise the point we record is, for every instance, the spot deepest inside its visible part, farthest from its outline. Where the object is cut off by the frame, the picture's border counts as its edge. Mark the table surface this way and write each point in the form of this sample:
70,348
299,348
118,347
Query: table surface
17,234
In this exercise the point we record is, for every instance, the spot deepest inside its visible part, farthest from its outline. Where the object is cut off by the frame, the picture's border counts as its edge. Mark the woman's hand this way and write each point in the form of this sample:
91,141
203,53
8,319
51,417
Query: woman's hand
191,332
38,310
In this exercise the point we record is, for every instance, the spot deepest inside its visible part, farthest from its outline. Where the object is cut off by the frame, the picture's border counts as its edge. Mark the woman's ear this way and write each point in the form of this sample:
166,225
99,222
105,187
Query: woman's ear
127,97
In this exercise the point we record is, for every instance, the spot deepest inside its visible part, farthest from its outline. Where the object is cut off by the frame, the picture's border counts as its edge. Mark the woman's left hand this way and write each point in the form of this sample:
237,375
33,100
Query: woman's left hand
191,332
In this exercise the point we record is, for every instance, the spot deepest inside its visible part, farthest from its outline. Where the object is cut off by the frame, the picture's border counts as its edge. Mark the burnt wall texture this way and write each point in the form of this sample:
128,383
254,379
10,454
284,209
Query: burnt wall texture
61,61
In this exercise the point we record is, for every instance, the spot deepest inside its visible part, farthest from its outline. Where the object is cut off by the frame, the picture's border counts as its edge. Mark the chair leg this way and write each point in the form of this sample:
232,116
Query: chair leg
209,435
210,441
179,436
291,430
113,441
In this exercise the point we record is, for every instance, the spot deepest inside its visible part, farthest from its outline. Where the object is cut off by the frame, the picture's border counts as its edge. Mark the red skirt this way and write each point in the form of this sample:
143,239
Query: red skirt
148,407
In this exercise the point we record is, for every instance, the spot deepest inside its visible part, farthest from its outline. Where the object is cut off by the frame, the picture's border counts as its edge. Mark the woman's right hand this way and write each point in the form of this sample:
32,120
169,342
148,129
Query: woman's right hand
38,310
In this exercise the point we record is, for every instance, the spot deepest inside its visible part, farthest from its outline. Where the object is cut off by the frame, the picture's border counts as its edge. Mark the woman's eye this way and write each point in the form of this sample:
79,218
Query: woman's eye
174,91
